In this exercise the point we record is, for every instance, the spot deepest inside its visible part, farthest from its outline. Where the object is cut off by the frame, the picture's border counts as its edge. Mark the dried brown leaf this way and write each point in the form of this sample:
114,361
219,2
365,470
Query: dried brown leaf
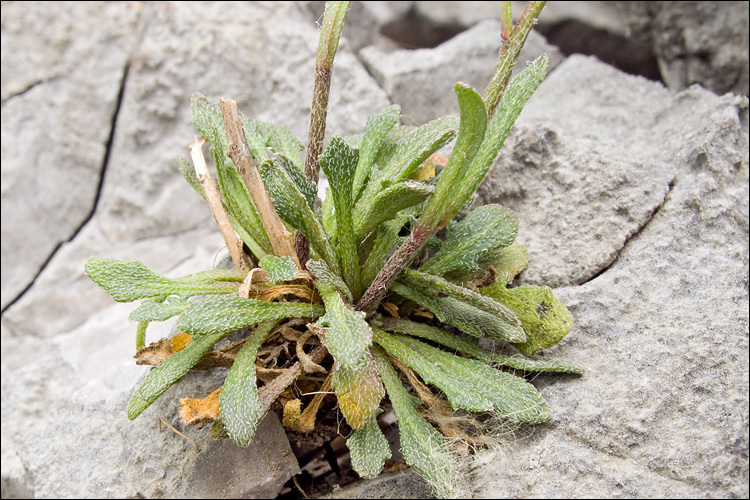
200,411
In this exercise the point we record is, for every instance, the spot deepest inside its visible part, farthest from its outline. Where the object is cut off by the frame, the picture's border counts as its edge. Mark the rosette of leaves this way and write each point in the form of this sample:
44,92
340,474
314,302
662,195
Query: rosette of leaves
358,289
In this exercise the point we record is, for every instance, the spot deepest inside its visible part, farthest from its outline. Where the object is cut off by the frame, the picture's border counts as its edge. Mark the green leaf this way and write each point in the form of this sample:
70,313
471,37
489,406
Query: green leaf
282,140
188,172
239,206
517,94
339,162
468,241
129,281
348,335
386,240
159,311
257,144
240,209
459,392
376,129
293,207
414,148
320,270
462,315
387,204
359,391
545,319
402,153
279,268
241,410
508,262
369,448
226,314
437,286
296,176
207,120
448,198
423,446
512,397
169,371
471,347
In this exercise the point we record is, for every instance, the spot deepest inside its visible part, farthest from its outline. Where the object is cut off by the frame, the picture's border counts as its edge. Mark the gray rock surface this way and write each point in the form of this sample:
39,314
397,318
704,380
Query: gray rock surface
58,101
695,42
633,202
663,330
405,74
112,457
53,346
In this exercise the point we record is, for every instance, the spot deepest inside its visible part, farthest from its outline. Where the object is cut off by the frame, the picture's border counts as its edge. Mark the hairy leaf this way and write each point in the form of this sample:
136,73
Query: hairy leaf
387,239
159,311
188,172
462,315
129,281
435,285
423,446
241,410
359,391
545,319
466,242
320,270
460,393
296,176
369,448
470,133
226,314
294,208
508,262
512,397
169,371
376,129
282,140
517,94
208,121
339,162
387,204
348,335
471,347
279,268
414,148
242,213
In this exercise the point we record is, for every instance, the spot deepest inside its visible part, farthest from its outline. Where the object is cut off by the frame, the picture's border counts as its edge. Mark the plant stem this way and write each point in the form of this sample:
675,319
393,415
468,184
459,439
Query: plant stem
239,152
328,44
511,49
390,271
234,245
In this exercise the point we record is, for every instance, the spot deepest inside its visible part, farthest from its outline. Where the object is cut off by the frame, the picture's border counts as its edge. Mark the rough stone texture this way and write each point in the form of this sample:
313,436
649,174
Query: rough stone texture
541,172
116,458
53,346
405,74
695,42
58,101
632,196
663,332
405,484
601,15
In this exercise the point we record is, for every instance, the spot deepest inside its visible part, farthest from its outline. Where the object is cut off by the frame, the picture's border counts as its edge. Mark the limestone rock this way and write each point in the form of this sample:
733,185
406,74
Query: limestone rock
662,331
113,457
421,81
695,42
62,69
633,201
